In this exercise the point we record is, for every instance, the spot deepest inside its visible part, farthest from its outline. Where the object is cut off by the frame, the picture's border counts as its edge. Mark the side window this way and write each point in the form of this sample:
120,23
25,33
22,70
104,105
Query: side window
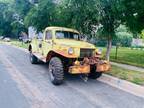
48,35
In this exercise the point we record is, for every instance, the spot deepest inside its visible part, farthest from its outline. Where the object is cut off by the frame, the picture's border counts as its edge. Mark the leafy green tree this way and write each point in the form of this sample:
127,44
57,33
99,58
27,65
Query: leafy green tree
142,34
2,8
17,28
80,14
42,15
111,15
123,36
11,17
134,15
6,17
22,7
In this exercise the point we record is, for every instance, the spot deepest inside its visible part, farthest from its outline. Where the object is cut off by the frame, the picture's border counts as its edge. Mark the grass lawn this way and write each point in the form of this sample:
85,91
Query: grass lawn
127,56
16,43
132,76
19,44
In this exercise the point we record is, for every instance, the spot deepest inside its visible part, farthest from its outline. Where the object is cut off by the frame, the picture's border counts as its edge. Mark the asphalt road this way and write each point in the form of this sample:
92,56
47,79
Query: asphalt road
23,85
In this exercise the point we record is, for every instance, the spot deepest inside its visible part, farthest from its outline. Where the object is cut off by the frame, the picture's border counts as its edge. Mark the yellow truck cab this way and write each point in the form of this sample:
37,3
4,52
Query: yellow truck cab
64,51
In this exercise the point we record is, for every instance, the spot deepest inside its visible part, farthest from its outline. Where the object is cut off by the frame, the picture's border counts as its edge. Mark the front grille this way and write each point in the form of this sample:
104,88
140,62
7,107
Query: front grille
86,52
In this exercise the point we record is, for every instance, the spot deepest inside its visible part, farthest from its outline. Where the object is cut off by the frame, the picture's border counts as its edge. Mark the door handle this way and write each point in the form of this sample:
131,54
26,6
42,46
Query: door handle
40,45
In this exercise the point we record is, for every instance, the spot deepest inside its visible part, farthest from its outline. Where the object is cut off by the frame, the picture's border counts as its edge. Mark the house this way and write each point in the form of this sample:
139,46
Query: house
137,42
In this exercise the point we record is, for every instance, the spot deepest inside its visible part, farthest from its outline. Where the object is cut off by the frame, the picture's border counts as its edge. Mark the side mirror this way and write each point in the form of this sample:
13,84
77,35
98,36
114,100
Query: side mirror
83,37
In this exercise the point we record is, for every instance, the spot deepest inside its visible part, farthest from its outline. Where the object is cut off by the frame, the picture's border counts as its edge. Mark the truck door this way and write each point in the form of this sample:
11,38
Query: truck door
47,43
39,44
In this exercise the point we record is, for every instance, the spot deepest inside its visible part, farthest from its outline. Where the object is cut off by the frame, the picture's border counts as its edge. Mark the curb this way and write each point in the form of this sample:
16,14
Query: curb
129,87
124,85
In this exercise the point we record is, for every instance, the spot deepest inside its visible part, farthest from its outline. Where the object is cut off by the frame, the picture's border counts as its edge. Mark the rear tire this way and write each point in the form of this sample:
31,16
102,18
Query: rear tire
33,59
94,74
56,71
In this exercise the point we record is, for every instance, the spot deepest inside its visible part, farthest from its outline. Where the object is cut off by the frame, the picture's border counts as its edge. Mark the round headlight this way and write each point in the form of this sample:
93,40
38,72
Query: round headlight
70,51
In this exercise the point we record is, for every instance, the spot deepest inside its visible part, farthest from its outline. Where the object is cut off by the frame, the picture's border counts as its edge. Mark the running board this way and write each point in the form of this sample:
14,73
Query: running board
40,57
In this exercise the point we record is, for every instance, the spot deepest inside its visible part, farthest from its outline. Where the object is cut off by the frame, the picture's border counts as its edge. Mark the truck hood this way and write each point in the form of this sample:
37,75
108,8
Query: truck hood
74,43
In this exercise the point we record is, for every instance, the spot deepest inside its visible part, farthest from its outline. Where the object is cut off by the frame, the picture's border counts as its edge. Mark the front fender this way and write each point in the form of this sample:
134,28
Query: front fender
64,54
59,54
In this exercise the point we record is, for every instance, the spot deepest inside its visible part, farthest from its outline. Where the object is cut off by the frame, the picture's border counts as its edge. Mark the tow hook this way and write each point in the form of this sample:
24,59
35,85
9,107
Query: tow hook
84,77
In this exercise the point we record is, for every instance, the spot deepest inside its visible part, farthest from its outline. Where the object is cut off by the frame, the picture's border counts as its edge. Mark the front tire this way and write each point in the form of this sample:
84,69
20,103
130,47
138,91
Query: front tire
56,71
94,74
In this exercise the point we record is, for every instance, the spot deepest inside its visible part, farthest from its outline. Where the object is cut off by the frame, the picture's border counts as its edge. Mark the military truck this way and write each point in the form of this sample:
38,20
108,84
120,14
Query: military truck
64,51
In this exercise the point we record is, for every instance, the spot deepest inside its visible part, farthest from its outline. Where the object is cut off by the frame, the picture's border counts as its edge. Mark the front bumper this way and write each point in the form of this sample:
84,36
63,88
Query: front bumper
101,66
80,69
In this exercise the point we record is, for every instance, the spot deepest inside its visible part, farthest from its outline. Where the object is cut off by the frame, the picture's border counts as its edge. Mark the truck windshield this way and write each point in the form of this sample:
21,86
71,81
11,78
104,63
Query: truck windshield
67,35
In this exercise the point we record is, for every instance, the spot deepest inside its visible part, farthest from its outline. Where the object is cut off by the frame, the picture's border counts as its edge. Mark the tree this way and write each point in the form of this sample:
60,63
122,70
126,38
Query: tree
80,14
2,8
123,36
110,12
11,17
6,17
17,28
134,15
22,7
142,34
42,15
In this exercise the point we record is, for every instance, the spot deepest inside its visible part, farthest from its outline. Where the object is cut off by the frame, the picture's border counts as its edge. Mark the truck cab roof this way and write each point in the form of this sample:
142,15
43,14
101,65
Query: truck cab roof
61,29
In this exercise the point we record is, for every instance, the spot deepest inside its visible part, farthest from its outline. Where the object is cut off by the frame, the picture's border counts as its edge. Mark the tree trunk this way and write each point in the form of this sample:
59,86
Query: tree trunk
109,45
